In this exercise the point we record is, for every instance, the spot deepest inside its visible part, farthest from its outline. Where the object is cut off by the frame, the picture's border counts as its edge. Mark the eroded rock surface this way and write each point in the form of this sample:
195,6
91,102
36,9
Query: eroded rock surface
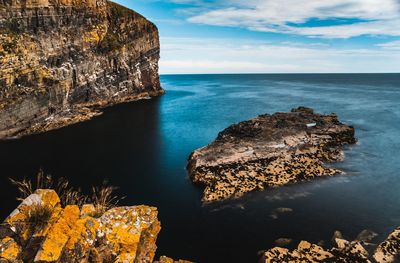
59,59
356,251
270,150
40,230
389,250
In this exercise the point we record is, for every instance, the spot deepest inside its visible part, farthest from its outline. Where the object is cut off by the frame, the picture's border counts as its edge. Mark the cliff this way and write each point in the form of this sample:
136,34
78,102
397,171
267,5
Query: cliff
60,59
41,230
269,151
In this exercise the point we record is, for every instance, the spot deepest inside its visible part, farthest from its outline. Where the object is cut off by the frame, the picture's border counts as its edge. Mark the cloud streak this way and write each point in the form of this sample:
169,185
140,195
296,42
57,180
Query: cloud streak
192,55
368,17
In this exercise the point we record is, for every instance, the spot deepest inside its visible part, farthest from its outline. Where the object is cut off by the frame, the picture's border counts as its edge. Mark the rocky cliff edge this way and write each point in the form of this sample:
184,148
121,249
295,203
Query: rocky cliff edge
41,230
60,59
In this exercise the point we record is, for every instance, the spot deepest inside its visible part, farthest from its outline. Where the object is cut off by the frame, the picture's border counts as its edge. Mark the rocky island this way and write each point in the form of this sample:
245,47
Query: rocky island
61,60
42,229
270,150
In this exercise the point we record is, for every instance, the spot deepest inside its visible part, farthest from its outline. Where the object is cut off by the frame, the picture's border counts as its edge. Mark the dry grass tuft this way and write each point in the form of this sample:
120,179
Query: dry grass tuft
37,217
26,187
103,197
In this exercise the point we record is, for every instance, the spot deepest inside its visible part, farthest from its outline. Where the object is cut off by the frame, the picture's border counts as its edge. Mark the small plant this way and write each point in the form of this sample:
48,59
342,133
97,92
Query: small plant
102,197
27,187
37,217
68,195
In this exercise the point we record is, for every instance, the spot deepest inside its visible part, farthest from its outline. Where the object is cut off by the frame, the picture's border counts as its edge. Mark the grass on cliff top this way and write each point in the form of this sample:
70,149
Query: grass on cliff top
102,197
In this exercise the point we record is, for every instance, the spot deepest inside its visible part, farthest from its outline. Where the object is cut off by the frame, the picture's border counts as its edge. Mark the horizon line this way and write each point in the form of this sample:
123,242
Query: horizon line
283,73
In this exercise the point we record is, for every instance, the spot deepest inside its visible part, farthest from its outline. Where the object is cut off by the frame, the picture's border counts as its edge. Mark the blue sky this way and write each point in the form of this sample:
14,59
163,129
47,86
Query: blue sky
275,36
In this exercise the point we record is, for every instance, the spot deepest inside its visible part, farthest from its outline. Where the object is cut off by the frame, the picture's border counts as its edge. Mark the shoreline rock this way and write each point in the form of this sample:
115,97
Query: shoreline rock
40,230
269,151
61,61
357,251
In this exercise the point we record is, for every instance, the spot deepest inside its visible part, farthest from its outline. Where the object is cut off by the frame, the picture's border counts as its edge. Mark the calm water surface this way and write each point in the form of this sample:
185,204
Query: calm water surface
142,147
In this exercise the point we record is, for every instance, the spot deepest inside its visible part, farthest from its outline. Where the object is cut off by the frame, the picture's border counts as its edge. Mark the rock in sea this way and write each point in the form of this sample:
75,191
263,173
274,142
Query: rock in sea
268,151
344,252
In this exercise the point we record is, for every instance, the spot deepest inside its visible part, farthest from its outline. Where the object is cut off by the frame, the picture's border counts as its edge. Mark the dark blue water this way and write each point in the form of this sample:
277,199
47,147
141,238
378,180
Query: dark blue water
142,147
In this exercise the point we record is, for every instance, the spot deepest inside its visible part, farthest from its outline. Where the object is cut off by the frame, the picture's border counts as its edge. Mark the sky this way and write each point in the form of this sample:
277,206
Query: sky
275,36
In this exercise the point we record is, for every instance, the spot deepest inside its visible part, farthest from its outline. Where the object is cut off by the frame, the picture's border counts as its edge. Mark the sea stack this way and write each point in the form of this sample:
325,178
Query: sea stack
60,59
270,150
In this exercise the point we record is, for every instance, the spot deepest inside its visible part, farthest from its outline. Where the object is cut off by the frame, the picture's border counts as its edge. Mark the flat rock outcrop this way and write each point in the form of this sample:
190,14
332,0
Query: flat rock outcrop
357,251
269,150
60,59
40,230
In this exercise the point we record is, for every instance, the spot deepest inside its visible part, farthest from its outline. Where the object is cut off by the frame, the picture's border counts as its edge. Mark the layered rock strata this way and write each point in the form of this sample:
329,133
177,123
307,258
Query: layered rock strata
59,59
357,251
269,150
40,230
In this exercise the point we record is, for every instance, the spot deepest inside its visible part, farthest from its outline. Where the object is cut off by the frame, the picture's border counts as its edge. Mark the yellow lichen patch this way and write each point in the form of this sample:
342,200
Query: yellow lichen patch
9,249
19,218
87,210
124,227
58,235
83,234
96,35
48,197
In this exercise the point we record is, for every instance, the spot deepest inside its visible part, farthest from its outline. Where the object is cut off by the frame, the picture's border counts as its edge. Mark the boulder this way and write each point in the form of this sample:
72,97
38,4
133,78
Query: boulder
41,231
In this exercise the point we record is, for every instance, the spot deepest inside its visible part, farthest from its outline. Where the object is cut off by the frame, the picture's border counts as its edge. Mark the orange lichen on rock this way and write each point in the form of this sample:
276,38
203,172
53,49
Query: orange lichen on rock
40,230
124,230
9,249
58,236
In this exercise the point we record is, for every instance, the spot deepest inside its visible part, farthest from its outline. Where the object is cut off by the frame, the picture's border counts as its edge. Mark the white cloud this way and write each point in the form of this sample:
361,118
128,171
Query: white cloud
371,17
191,55
394,45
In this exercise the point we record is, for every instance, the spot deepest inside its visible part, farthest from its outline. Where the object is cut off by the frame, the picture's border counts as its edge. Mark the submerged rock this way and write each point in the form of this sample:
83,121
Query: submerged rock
40,230
60,60
269,150
283,241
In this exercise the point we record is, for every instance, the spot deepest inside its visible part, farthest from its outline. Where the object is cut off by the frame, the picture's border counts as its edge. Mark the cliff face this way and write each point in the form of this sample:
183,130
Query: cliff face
58,57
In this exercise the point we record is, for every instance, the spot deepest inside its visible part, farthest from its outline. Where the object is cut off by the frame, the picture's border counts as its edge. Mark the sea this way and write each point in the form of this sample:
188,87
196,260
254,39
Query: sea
142,148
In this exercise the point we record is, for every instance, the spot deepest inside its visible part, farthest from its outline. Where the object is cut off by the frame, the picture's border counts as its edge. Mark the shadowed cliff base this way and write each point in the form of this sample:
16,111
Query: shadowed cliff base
62,60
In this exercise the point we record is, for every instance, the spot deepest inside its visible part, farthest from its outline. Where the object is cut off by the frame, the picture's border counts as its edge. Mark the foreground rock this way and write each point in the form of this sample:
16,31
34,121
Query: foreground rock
356,251
270,150
40,230
61,59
